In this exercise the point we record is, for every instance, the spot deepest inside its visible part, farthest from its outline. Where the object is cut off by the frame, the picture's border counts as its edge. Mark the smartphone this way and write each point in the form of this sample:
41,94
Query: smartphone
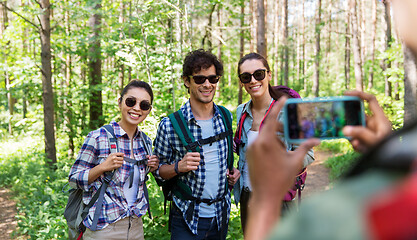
322,118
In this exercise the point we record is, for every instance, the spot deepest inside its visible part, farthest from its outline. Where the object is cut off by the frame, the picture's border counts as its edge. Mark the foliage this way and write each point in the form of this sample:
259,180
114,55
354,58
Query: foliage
344,157
41,200
339,165
147,40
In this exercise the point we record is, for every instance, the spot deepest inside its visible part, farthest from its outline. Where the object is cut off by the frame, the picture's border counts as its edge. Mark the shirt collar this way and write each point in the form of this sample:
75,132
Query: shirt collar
119,132
188,114
247,109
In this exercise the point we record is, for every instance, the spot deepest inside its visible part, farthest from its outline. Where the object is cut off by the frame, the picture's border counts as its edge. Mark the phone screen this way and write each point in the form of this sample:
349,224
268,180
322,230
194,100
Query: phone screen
322,119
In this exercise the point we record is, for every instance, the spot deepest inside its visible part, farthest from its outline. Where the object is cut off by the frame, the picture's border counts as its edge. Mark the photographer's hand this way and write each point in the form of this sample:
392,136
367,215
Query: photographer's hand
272,171
377,125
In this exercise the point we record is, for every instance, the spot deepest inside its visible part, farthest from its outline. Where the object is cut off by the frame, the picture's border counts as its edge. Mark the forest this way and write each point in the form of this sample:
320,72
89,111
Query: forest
64,63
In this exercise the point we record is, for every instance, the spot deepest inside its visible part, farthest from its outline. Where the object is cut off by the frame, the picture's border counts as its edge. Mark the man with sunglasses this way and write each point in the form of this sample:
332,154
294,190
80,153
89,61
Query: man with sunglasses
204,172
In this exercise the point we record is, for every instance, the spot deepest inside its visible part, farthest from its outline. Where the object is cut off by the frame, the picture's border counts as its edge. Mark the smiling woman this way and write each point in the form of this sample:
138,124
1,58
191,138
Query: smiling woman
125,200
255,75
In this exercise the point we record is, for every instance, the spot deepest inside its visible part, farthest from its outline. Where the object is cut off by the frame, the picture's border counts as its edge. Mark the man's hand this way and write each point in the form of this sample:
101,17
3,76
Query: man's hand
272,171
189,162
377,125
153,162
232,178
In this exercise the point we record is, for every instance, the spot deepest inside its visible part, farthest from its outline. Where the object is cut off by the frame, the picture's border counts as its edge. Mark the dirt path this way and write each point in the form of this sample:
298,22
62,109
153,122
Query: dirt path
8,222
317,174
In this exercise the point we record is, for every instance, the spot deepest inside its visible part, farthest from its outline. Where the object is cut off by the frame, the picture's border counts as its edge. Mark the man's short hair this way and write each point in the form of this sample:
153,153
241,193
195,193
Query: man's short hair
200,59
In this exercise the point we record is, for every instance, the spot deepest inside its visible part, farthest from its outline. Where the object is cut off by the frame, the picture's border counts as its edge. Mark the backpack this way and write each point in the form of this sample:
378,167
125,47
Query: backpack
300,178
76,211
175,186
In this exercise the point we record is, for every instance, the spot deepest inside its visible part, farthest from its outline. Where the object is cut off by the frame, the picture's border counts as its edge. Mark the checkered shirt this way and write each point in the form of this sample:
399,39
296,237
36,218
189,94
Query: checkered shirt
95,151
169,149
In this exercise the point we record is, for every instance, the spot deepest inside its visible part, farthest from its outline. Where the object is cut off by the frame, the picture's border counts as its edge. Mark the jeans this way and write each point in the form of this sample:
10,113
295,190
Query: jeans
207,228
244,202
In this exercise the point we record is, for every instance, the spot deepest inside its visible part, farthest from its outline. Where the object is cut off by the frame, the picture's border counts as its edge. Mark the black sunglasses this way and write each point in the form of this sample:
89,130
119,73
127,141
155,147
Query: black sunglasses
145,105
200,79
259,75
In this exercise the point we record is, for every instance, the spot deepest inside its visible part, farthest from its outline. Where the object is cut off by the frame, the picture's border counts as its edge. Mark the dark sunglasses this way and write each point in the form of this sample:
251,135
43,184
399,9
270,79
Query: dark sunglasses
200,79
259,75
145,105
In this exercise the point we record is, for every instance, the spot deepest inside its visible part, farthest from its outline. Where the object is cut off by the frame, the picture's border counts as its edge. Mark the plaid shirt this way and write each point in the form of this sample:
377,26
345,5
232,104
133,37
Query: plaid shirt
169,149
95,151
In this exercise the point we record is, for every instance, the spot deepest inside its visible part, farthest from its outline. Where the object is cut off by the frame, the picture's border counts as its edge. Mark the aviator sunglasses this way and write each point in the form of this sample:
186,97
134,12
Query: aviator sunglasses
200,79
259,75
144,104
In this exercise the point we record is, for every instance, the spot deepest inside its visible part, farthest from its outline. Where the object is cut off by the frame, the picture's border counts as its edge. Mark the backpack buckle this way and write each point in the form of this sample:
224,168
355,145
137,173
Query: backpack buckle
193,146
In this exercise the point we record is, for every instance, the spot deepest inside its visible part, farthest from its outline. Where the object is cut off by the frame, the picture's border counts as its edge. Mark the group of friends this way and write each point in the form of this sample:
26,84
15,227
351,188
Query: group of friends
205,172
265,170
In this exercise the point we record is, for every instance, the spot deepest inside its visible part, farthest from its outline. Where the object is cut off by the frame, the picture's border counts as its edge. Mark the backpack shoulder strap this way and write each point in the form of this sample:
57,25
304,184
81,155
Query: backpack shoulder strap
238,133
183,132
112,138
227,119
147,145
107,178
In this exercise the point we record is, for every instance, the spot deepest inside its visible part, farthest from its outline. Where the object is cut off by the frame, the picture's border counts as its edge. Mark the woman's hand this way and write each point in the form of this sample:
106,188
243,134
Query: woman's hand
153,162
113,161
377,125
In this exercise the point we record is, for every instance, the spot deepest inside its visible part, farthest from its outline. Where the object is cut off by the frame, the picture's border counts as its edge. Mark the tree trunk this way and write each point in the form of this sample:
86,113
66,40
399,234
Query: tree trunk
209,29
3,17
410,87
96,105
276,42
10,101
356,47
317,58
388,39
242,44
47,92
329,35
347,48
285,40
253,25
303,57
372,50
122,19
261,44
362,30
68,99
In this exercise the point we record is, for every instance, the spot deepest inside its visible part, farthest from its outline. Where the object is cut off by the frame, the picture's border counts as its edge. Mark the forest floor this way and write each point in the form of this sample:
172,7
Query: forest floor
317,174
8,221
317,181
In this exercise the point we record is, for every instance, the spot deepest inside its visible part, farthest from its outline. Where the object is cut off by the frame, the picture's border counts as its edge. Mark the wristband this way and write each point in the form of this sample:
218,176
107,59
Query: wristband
176,168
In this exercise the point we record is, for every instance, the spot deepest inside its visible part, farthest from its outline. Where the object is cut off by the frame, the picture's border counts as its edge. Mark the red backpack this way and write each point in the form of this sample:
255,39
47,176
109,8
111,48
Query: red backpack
300,178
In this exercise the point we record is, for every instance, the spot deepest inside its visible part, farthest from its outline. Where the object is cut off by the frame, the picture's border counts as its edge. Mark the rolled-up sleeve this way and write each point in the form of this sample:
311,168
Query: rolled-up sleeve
162,148
85,161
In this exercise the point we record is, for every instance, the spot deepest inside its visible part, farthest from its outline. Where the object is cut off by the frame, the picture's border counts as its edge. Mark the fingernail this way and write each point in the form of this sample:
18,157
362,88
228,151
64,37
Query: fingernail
347,130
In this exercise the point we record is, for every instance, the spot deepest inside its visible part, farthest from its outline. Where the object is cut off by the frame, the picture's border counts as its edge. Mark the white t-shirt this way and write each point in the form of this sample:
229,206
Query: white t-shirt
212,166
252,135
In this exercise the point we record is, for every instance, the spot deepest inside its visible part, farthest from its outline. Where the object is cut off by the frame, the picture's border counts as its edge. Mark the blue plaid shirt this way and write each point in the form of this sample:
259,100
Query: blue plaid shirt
95,151
169,149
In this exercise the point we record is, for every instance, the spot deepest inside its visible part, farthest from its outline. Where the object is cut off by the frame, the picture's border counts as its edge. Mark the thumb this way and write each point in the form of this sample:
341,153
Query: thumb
363,134
302,150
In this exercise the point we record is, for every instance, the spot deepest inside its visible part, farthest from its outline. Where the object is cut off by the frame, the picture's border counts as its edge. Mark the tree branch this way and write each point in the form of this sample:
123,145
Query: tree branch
13,11
40,5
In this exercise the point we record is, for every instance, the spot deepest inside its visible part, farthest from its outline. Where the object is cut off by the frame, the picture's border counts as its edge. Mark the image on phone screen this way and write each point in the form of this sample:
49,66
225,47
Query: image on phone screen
322,119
